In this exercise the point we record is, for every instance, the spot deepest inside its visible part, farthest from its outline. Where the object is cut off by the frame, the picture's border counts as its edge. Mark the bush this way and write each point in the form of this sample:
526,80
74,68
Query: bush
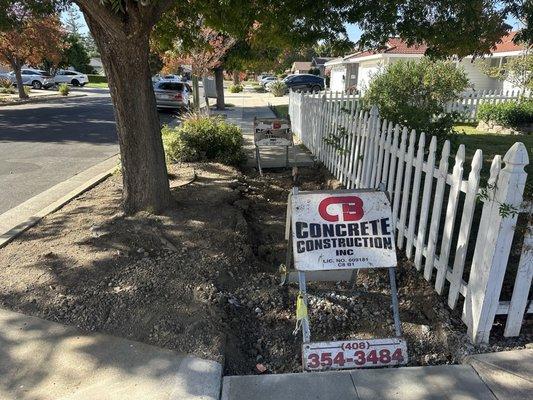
204,138
278,88
27,89
97,79
6,83
258,88
414,94
235,88
64,89
510,114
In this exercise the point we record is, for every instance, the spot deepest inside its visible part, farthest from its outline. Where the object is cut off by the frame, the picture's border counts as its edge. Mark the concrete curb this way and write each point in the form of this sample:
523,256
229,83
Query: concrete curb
22,217
41,99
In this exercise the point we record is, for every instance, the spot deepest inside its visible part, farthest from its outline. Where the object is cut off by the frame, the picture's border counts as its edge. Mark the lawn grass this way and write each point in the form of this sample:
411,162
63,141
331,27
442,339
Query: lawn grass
494,144
99,85
281,111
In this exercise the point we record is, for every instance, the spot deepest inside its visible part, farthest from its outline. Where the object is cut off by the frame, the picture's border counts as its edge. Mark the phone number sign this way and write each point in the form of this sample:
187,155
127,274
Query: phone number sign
342,230
354,354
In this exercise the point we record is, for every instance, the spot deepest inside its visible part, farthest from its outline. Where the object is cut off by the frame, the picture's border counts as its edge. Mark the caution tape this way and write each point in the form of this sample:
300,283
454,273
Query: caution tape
301,312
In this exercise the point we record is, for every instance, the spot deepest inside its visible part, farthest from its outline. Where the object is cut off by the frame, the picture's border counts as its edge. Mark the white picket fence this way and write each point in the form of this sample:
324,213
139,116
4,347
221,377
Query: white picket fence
468,103
467,106
434,210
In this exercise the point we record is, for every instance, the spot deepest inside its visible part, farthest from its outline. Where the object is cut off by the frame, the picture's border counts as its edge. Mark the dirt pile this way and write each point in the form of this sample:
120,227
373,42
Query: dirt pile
203,278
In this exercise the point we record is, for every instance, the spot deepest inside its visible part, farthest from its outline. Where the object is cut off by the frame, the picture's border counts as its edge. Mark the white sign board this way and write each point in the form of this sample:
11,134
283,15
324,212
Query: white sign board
348,229
354,353
272,132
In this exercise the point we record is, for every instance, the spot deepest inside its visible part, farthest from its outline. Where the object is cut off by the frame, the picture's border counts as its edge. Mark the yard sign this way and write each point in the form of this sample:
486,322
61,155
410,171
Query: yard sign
272,132
343,229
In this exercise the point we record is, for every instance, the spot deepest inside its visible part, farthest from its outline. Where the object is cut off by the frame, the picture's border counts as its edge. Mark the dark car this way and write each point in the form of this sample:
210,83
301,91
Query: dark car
304,83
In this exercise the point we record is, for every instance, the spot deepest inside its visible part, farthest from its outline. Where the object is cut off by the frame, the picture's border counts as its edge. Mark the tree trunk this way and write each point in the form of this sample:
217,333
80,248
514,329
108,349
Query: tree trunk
18,76
144,171
236,78
196,93
219,84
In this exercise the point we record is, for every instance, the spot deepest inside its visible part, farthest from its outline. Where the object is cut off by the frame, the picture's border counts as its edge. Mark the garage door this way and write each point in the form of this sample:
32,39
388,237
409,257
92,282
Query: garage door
336,83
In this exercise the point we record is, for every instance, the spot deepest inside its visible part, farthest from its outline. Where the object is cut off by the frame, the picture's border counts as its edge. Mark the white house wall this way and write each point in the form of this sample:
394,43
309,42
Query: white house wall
478,79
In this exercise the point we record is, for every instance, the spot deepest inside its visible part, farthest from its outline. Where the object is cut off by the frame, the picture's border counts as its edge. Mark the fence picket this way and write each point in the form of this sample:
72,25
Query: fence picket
418,164
465,229
406,188
442,174
451,211
399,176
426,198
524,274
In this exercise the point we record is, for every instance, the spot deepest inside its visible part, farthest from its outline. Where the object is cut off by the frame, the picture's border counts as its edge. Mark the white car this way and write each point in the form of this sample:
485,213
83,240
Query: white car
73,78
33,77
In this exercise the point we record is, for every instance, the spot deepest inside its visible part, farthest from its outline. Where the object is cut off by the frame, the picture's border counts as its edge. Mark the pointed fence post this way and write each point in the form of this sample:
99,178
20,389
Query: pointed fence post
494,244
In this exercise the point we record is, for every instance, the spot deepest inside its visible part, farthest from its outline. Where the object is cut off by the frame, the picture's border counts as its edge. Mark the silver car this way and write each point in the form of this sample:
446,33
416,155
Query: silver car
172,94
34,77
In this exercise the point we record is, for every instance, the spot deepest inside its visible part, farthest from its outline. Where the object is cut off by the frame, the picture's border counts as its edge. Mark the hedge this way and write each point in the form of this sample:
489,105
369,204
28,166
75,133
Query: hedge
509,114
97,79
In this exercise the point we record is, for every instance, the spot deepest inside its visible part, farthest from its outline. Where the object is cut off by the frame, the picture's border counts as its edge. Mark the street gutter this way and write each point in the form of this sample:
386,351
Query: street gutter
22,217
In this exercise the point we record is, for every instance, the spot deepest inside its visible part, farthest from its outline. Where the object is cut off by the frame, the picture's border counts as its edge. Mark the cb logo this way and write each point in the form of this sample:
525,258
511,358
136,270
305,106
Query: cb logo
352,208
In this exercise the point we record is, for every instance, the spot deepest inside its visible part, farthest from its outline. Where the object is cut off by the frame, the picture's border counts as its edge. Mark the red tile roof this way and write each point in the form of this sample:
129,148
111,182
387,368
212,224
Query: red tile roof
507,44
396,45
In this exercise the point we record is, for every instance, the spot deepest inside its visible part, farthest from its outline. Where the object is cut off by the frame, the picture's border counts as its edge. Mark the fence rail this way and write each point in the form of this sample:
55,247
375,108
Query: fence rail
466,106
449,226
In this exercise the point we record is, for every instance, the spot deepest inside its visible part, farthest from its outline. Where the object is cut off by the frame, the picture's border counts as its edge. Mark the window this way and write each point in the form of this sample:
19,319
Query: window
171,86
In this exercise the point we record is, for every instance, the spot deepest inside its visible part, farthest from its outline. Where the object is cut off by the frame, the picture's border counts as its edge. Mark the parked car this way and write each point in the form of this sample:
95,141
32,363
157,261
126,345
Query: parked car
34,77
172,94
304,83
262,76
267,79
73,78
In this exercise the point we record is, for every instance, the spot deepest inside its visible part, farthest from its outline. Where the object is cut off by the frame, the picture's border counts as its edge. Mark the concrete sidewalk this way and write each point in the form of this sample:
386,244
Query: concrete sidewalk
496,376
248,106
42,360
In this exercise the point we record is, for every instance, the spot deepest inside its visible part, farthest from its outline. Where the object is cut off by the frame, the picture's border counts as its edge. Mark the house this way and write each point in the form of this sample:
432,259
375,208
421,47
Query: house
301,67
97,65
356,70
318,62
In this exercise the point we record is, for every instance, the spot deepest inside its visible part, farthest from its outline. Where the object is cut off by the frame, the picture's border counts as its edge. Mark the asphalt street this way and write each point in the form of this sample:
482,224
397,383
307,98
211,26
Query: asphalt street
43,144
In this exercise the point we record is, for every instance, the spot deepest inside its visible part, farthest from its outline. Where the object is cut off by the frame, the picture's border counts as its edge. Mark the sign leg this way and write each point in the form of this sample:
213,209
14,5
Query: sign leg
306,330
394,296
258,159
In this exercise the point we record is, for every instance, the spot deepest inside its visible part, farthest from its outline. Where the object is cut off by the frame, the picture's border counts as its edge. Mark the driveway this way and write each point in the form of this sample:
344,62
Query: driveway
44,144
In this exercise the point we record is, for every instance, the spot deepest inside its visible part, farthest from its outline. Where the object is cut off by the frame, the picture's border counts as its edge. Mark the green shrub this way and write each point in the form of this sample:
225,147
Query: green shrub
204,138
235,88
258,88
97,79
64,89
414,94
6,83
509,114
278,88
27,89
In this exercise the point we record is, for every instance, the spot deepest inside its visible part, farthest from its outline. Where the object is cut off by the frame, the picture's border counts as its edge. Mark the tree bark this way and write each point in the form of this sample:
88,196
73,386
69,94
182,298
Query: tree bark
18,76
236,78
144,171
219,84
196,93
